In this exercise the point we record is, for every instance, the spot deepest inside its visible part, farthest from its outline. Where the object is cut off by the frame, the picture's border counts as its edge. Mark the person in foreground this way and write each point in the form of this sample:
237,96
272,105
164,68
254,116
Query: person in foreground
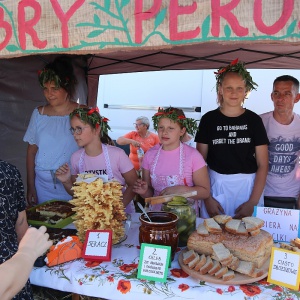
50,143
97,156
13,221
283,128
142,137
171,166
15,272
234,143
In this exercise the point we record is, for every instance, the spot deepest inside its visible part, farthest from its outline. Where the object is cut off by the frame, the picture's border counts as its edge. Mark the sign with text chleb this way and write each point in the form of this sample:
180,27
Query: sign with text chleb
97,246
284,268
154,262
281,223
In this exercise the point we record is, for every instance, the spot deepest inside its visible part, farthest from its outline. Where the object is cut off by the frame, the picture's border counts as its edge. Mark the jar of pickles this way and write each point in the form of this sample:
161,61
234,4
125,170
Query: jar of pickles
184,209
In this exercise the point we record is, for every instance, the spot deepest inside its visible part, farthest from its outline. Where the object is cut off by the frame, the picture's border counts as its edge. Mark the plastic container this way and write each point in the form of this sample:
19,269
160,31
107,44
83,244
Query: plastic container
186,219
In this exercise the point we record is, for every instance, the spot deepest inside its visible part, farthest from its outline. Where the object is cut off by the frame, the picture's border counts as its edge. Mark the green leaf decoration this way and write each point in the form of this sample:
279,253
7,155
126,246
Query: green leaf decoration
227,31
107,5
124,3
96,5
12,48
97,20
206,27
95,33
160,17
291,28
117,40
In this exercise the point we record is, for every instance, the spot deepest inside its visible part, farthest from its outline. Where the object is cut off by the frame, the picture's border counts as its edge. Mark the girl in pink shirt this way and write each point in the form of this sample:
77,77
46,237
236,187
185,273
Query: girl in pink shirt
172,167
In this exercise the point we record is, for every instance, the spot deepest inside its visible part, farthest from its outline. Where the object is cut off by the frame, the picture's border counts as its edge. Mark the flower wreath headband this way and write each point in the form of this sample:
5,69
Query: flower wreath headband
49,75
173,114
92,116
237,67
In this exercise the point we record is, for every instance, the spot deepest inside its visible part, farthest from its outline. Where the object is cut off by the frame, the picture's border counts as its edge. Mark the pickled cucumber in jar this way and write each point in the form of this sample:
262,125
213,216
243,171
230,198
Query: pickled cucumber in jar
184,209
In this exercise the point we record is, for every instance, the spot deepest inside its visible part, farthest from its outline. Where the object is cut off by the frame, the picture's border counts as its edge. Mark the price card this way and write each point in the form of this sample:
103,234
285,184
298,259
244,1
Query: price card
154,262
97,245
284,268
281,223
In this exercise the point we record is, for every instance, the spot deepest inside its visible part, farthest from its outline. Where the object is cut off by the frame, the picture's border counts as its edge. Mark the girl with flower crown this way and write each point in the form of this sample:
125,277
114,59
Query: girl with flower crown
172,167
96,155
234,142
49,141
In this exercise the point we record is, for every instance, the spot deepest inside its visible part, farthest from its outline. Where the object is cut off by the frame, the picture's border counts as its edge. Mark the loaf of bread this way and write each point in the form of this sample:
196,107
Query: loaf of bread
256,249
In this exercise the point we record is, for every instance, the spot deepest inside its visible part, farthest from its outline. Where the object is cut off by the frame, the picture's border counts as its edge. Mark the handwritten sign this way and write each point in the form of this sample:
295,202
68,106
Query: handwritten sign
97,245
284,268
154,262
282,224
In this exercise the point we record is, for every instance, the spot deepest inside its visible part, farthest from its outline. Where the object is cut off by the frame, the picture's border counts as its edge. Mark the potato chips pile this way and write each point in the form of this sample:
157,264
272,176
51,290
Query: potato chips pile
98,206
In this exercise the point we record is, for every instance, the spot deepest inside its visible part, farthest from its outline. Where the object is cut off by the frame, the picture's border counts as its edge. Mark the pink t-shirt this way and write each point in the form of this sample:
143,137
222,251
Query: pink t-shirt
168,162
146,143
119,162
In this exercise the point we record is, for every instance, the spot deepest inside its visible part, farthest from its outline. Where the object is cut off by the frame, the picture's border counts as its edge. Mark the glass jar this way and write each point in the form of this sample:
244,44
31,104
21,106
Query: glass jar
161,231
186,219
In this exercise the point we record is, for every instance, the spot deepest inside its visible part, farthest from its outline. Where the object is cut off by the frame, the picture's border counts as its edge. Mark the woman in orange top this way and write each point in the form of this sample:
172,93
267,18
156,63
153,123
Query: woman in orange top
141,138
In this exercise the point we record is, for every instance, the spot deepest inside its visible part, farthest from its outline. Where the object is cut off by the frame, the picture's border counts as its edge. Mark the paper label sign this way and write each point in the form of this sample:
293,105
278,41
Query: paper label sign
284,268
154,262
97,245
281,223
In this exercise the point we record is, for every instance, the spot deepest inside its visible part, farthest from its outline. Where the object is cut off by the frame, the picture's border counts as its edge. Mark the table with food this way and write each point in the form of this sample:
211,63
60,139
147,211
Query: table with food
223,257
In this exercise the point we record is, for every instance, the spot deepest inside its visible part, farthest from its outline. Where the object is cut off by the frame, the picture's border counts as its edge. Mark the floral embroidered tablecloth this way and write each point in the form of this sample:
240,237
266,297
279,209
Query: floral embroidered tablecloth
117,279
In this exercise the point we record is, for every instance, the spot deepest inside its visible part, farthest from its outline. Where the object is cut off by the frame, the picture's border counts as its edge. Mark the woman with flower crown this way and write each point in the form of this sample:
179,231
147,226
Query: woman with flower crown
49,140
234,142
96,155
172,167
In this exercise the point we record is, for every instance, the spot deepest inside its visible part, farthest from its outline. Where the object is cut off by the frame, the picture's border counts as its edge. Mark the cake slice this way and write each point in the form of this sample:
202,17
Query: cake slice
212,226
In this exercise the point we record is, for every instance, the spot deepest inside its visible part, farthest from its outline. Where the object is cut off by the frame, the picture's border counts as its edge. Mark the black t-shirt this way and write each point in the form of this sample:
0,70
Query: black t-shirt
231,141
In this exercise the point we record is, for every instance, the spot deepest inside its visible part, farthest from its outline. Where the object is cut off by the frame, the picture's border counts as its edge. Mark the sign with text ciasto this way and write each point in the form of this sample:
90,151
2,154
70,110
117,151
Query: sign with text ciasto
80,26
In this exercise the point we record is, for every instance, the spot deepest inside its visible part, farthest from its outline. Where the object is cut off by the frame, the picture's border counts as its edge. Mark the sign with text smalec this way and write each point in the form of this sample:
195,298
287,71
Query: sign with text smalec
154,262
284,268
97,245
282,223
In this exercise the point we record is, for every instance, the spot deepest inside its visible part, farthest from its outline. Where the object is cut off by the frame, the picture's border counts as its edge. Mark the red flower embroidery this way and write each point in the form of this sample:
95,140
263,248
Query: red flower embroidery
110,278
179,273
124,286
277,288
231,288
183,287
92,264
126,268
264,282
138,247
219,291
250,290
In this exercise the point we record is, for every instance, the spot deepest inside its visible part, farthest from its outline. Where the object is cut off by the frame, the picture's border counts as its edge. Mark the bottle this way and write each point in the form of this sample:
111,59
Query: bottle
140,154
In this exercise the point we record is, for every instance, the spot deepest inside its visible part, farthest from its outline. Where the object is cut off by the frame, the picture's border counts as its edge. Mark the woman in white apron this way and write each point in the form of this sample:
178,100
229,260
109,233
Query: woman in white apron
172,167
97,156
234,142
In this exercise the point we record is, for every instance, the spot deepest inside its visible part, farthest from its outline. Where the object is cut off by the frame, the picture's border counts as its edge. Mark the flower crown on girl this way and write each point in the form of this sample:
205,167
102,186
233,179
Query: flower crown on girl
91,116
176,115
237,67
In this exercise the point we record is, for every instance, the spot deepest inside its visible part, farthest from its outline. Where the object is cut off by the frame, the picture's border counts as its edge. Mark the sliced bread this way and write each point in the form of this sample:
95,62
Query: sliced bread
188,256
255,232
257,222
221,272
228,276
194,262
202,230
222,219
246,267
208,265
242,230
234,263
221,253
258,272
200,263
212,226
216,267
232,226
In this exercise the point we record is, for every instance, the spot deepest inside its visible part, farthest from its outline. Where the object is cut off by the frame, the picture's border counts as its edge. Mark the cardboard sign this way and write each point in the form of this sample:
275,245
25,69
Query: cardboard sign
282,224
154,262
284,268
97,245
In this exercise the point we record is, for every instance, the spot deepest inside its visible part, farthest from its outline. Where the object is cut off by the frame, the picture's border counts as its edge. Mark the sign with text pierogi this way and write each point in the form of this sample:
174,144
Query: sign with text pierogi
282,224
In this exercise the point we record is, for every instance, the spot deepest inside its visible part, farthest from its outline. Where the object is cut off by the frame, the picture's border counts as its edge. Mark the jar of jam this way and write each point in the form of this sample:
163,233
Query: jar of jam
186,214
161,231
